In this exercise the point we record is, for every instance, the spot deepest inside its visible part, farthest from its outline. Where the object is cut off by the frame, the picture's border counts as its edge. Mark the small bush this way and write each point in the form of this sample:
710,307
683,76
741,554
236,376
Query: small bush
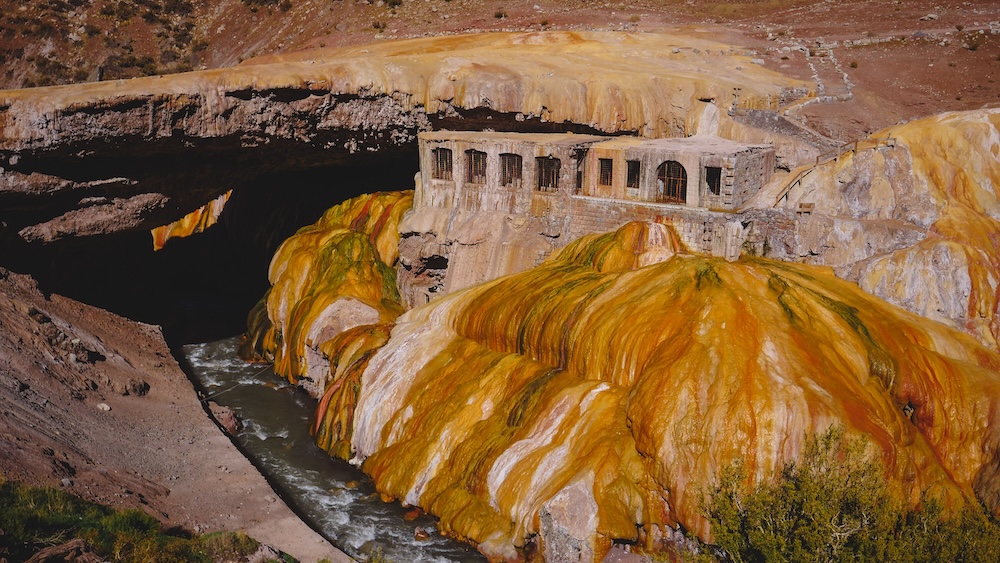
393,3
854,64
834,505
227,546
500,14
378,25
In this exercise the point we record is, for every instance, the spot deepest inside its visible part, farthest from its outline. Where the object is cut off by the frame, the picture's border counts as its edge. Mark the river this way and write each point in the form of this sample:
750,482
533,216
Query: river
334,497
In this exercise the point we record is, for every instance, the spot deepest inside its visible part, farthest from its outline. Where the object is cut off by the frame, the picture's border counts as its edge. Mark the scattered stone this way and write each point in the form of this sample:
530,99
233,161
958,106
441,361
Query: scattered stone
265,553
66,482
411,515
133,386
226,418
929,17
420,534
104,407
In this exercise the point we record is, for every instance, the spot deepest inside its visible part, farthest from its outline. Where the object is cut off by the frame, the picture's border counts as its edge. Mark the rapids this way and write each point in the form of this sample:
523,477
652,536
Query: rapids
335,498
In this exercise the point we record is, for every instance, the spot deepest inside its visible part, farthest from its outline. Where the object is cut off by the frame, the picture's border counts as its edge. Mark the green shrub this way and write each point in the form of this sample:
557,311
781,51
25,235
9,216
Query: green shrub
834,505
227,546
32,518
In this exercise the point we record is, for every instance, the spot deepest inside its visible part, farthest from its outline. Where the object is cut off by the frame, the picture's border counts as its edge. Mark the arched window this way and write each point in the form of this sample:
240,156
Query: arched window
671,183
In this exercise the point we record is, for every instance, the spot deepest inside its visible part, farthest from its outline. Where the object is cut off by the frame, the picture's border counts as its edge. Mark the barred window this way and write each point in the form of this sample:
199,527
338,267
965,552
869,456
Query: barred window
441,165
510,170
671,182
607,171
633,174
547,173
475,167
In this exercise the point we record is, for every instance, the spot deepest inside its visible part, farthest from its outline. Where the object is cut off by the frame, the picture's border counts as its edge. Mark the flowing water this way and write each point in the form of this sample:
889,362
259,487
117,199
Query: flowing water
334,497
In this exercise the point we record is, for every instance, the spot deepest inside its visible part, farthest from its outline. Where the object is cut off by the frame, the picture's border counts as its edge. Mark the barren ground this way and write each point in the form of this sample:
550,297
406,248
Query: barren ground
95,403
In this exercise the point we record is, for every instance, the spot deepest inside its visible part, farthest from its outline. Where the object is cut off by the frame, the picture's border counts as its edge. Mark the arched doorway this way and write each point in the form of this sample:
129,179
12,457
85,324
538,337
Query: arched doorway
671,183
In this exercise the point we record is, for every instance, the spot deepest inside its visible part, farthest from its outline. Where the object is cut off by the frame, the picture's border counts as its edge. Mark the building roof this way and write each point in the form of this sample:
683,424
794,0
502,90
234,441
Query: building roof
699,143
497,136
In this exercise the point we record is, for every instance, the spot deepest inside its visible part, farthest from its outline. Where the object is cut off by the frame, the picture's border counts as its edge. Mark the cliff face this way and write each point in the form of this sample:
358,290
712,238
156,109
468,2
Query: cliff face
938,179
119,155
591,398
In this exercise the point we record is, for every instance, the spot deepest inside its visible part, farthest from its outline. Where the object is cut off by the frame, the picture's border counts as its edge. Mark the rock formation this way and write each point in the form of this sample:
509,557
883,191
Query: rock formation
326,279
111,156
936,187
95,403
569,419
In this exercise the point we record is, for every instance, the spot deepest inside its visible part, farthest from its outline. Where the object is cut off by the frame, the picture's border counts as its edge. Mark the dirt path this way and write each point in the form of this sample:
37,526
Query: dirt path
95,403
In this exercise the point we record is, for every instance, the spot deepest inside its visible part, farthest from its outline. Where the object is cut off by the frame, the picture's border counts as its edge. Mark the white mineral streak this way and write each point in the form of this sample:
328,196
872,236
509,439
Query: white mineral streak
392,372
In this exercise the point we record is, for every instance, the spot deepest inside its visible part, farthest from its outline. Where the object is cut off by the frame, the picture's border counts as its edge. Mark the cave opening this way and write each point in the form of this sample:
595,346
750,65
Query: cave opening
201,287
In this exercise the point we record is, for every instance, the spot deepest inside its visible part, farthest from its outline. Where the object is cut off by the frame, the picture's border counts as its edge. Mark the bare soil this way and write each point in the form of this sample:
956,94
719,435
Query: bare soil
95,403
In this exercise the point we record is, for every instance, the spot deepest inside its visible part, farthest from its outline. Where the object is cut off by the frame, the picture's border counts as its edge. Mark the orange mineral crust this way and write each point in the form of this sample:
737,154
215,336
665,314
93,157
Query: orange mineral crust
328,277
192,223
600,393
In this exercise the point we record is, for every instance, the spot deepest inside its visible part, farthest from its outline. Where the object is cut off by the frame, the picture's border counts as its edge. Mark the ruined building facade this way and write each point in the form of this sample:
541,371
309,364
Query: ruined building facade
489,203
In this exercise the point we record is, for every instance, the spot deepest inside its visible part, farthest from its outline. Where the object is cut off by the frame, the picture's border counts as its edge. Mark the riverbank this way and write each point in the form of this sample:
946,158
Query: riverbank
96,404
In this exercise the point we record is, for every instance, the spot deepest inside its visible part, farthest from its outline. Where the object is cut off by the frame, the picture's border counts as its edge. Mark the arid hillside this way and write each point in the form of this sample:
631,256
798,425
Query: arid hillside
894,60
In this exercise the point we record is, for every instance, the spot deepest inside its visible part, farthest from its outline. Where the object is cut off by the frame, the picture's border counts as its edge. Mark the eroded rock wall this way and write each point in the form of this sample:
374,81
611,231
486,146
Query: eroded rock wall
136,154
935,190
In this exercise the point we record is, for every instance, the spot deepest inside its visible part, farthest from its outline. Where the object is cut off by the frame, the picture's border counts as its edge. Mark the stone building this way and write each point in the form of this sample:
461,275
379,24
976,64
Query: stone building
492,171
489,204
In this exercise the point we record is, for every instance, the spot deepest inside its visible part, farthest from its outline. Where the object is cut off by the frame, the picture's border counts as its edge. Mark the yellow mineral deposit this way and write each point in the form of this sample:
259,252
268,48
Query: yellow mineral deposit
329,277
192,223
943,174
613,81
605,389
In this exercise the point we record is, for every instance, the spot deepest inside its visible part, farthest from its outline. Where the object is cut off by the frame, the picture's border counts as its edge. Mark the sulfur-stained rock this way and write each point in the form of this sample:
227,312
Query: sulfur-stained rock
605,379
922,218
141,153
326,279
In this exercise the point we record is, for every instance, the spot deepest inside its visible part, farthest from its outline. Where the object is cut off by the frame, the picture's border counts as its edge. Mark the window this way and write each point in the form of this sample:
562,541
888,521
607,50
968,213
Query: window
632,181
580,155
713,177
671,182
547,173
441,166
475,167
607,170
510,170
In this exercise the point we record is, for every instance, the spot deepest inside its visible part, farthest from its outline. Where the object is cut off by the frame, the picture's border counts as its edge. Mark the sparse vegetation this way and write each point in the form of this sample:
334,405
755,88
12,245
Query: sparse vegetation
854,64
36,517
500,14
835,505
33,518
